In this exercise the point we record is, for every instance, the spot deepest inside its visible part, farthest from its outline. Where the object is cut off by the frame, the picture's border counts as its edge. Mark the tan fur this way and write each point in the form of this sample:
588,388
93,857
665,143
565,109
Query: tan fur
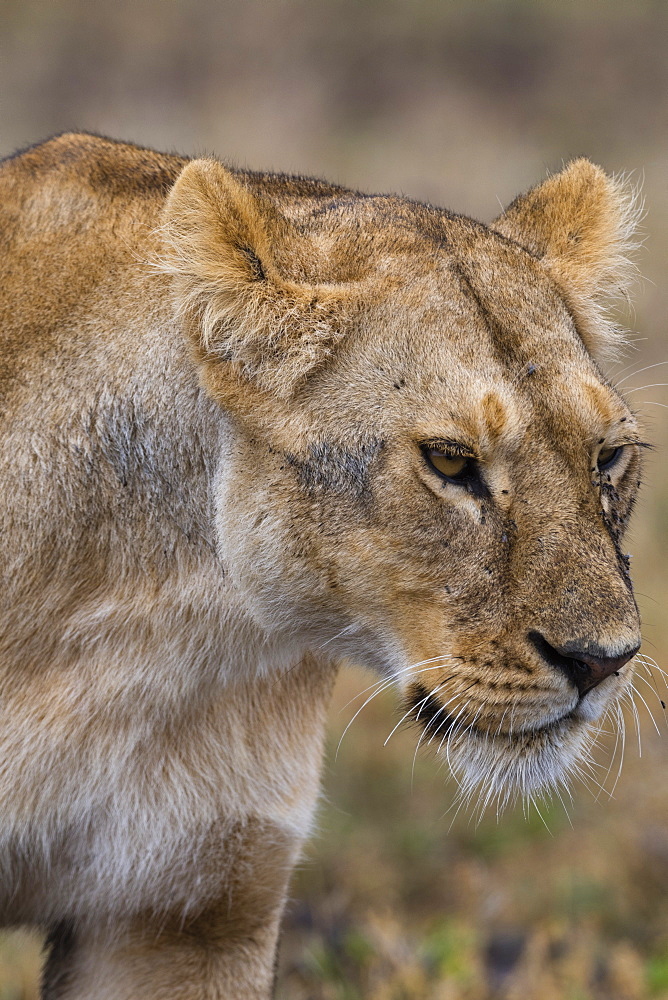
215,392
581,224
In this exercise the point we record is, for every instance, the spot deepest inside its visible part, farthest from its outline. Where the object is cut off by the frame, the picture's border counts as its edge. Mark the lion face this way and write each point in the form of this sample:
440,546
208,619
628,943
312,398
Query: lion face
429,473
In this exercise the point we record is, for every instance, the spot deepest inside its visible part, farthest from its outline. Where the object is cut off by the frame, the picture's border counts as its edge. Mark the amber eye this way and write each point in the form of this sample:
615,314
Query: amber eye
448,464
607,458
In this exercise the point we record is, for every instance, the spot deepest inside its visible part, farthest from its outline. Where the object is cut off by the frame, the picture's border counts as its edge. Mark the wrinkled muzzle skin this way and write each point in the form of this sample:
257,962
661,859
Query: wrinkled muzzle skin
477,595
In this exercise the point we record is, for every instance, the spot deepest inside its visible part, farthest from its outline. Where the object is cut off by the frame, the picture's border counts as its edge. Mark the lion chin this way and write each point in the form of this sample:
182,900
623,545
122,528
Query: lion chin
529,762
499,769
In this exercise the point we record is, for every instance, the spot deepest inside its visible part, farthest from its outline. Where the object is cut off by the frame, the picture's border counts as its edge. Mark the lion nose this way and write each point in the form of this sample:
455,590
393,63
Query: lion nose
585,665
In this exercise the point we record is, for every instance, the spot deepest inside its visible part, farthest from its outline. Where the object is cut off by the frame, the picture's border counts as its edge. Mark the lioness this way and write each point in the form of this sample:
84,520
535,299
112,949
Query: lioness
253,425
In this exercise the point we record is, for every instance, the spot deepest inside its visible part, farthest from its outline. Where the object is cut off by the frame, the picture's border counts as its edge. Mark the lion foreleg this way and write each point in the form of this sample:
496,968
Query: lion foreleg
226,951
154,964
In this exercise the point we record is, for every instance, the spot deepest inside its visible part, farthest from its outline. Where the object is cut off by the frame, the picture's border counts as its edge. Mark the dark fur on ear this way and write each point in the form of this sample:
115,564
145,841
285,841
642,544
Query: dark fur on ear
219,241
581,223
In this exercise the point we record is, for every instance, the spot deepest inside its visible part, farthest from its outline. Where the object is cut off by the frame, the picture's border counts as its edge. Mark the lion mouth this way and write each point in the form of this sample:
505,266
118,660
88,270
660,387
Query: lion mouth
498,766
423,708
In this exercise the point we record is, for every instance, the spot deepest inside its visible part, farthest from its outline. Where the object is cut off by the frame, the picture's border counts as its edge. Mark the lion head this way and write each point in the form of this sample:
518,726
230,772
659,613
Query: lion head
426,469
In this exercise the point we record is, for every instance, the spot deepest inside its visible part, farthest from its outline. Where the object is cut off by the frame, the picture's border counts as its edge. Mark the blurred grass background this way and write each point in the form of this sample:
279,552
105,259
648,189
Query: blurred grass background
463,104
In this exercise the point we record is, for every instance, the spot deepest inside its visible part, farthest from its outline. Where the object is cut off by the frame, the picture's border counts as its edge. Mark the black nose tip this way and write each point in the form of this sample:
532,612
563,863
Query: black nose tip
585,664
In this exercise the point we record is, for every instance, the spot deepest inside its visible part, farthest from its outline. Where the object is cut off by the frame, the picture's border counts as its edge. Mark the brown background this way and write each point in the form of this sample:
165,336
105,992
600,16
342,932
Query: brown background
464,104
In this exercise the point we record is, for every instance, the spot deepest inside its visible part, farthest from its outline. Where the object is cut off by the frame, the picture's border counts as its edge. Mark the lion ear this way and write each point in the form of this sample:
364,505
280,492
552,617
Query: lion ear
219,243
581,223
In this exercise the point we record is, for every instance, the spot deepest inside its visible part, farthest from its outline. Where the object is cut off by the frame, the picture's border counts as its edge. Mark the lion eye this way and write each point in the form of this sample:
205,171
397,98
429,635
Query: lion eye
607,457
448,464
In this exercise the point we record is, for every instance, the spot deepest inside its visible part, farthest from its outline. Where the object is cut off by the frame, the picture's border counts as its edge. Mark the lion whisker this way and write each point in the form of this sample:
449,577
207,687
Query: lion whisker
411,710
472,723
622,729
380,686
458,694
638,371
501,722
636,718
635,690
651,665
446,719
417,747
448,737
532,799
387,682
344,631
461,798
608,715
652,385
654,691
